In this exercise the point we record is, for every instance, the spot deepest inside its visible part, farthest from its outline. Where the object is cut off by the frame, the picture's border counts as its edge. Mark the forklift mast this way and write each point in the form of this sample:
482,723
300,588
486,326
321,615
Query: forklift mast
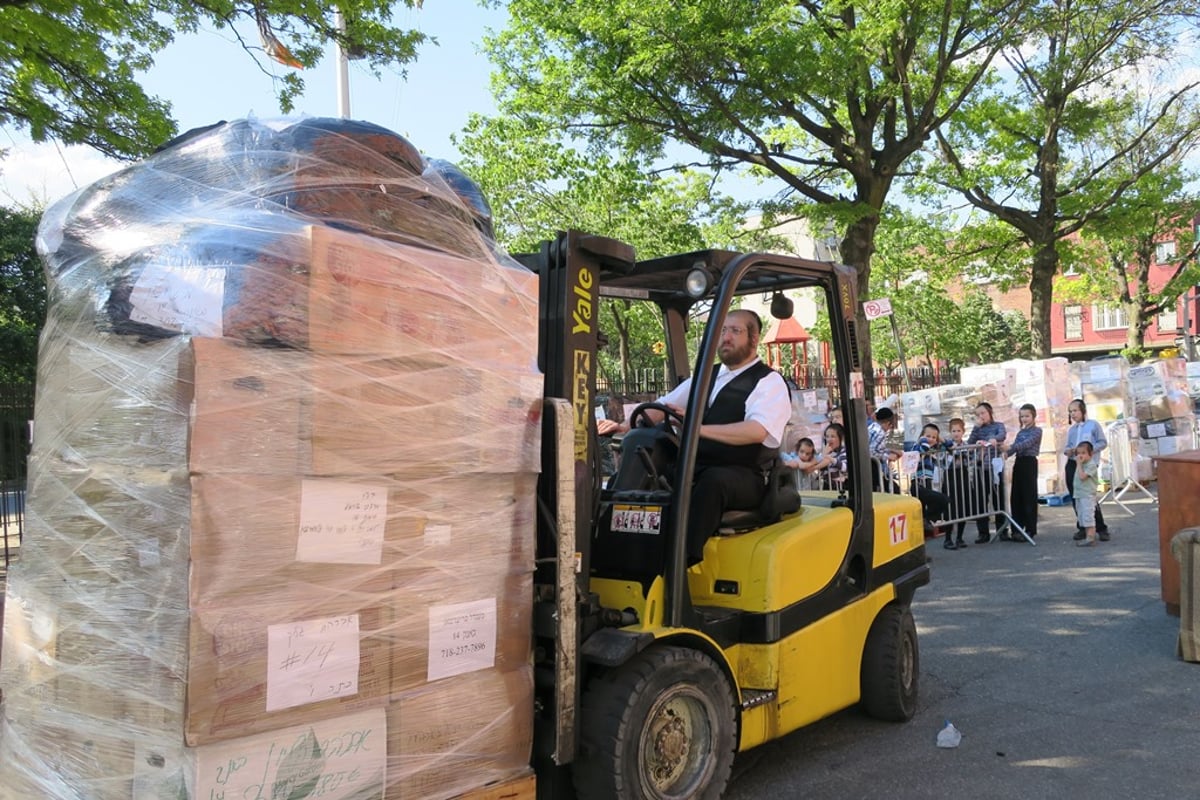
569,268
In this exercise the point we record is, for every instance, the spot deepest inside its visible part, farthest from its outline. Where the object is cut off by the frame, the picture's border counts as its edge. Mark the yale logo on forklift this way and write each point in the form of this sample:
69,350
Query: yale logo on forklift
636,519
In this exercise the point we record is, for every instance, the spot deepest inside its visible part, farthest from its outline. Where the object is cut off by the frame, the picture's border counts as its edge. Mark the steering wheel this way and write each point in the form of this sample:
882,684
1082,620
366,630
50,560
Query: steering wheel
673,422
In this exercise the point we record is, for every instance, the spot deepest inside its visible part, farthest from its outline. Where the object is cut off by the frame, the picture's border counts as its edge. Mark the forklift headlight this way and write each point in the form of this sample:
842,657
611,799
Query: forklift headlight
699,281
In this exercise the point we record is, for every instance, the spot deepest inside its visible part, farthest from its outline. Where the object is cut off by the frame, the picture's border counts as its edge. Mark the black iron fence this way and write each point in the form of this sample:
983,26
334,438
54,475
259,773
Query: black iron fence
16,421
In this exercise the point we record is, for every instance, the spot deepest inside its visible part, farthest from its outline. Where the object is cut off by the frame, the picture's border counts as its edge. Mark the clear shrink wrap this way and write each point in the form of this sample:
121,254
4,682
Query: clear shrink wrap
938,406
280,518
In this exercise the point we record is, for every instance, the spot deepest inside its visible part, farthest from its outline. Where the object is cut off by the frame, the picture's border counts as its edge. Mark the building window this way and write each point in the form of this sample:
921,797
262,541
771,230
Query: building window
1073,319
1168,321
1164,252
1108,318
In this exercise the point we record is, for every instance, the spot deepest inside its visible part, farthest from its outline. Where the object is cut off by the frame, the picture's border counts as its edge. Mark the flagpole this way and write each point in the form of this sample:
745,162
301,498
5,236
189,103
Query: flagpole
342,69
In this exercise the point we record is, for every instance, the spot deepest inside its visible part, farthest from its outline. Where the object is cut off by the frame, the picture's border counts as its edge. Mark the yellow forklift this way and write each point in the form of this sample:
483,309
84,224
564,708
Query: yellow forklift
651,675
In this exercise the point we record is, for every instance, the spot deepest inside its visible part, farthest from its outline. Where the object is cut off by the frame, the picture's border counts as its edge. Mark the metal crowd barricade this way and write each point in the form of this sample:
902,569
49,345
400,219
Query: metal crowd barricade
969,477
1123,465
966,475
821,481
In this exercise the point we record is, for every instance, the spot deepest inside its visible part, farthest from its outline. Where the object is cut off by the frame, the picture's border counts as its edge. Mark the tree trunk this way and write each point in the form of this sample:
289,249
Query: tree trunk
1135,331
857,248
1041,294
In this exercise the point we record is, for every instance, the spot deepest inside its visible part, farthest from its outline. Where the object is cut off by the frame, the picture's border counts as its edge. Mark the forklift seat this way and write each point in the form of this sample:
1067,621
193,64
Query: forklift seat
782,497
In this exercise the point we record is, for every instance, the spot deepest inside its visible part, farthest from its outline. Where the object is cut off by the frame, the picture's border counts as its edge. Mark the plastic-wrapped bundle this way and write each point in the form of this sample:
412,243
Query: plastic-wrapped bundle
287,399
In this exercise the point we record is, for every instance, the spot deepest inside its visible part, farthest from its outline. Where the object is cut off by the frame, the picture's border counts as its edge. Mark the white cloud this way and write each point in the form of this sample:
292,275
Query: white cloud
42,173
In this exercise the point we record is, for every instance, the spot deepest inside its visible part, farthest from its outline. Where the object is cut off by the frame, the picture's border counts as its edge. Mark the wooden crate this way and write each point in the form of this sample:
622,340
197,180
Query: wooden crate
523,788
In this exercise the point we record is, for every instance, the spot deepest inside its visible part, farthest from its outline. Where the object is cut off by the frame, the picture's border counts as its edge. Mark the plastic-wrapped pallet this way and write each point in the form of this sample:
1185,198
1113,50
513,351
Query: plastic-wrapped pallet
810,417
1104,386
1163,408
937,405
280,516
1192,370
996,385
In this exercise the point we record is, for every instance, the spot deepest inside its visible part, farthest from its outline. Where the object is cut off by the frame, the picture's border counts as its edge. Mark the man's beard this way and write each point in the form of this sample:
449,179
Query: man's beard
736,354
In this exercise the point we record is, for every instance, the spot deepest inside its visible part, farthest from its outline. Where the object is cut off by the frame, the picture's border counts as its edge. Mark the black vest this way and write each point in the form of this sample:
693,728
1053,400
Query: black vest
730,406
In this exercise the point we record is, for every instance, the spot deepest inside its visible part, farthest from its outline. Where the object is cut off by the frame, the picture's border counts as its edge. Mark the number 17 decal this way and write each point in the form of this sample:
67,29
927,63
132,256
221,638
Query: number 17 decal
898,528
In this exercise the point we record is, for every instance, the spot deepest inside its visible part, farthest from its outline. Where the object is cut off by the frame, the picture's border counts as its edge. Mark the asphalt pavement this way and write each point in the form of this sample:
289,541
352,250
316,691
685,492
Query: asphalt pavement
1058,665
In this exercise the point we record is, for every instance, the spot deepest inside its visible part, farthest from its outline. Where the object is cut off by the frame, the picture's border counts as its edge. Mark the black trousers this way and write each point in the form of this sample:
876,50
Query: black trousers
935,506
958,487
1024,497
718,489
1101,525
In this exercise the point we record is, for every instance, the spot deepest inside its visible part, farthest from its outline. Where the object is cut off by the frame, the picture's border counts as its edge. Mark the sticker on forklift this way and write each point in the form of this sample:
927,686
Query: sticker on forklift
898,528
858,386
637,519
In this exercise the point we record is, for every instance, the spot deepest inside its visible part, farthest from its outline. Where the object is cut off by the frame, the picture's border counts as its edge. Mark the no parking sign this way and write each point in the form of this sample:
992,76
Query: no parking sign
874,309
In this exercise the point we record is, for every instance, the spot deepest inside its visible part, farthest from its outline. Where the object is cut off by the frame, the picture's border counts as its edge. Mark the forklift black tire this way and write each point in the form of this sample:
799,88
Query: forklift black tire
891,666
660,727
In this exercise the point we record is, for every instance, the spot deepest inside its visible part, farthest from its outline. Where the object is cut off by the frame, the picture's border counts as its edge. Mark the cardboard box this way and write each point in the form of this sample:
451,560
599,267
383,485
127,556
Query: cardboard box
1180,426
271,411
310,656
257,535
327,289
449,625
387,415
343,758
453,736
371,296
247,408
1104,371
262,535
107,401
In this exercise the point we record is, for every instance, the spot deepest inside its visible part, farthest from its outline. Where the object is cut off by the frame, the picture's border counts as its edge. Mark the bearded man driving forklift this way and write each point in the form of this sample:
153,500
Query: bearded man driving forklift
741,431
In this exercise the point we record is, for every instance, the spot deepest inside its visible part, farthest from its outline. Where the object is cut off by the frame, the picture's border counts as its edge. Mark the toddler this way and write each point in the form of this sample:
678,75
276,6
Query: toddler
1085,492
804,460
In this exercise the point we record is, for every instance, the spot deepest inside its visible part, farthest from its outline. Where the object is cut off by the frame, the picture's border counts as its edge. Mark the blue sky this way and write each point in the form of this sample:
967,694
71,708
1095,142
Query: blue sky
208,77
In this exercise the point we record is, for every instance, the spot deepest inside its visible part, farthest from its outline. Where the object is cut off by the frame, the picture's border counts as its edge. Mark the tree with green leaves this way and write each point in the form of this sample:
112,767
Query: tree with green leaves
1044,151
22,296
1124,247
68,70
825,100
539,181
940,316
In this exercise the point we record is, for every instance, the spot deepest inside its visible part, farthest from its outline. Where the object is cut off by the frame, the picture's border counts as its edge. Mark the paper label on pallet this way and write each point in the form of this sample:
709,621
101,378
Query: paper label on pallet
462,638
437,535
335,759
311,661
341,523
184,299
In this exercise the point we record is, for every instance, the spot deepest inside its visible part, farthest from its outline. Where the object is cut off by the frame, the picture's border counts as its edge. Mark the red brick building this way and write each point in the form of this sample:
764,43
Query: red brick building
1080,331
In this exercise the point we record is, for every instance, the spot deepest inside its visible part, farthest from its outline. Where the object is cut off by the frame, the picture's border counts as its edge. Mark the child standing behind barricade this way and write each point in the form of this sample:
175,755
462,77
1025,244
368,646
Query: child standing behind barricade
927,481
1086,483
832,465
989,435
958,482
1024,452
804,461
